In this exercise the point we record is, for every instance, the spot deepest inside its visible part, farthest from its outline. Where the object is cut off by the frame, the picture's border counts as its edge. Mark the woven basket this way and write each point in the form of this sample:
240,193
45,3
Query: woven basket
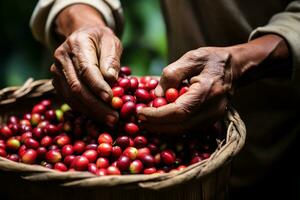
204,180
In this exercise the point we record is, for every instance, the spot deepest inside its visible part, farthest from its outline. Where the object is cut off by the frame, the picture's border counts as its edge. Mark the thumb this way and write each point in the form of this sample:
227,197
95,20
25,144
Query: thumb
175,73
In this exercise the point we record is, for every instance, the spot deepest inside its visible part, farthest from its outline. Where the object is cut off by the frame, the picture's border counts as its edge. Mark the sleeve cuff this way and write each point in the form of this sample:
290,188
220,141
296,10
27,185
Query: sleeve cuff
289,31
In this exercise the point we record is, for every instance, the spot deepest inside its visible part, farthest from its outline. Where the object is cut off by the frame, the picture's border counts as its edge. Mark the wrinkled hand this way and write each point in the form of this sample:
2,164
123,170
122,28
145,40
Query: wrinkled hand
85,63
210,72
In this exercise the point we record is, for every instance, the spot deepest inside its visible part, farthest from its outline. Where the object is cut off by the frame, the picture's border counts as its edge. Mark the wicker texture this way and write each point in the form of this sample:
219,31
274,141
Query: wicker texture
204,180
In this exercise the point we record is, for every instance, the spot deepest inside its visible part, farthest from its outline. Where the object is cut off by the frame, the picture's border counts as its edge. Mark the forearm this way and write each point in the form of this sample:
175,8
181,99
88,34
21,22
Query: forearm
75,17
266,56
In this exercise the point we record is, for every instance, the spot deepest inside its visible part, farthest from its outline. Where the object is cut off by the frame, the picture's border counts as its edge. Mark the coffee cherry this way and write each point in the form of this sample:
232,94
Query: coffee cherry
127,98
152,84
41,152
47,103
102,163
123,163
60,167
171,95
6,132
148,160
78,147
3,153
13,157
31,143
181,167
29,156
183,90
104,149
81,163
53,156
39,108
46,141
101,172
12,120
50,115
111,170
65,107
38,133
118,91
59,115
124,83
14,128
145,79
127,109
116,152
131,152
22,150
134,83
152,94
131,129
26,117
105,138
91,155
150,170
91,147
159,101
142,95
69,159
140,142
92,168
13,144
117,103
63,140
43,124
142,152
67,150
136,167
123,142
35,119
167,157
125,70
51,129
2,144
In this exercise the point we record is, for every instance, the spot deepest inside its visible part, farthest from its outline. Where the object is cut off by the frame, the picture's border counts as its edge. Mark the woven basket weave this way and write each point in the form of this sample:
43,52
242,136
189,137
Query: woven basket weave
204,180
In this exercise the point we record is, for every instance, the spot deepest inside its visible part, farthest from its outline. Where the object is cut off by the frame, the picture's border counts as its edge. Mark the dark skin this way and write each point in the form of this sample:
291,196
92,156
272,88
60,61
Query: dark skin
89,59
86,62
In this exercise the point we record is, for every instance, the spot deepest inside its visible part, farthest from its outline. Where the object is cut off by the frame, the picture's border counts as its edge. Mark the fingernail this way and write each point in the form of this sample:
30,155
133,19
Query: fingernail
110,120
104,96
142,117
112,71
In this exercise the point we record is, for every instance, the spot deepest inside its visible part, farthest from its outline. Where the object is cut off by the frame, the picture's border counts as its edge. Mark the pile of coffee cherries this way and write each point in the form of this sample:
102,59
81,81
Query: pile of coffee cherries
56,137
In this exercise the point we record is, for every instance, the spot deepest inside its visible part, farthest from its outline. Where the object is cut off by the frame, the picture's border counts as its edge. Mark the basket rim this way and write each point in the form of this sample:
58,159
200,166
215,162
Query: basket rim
235,139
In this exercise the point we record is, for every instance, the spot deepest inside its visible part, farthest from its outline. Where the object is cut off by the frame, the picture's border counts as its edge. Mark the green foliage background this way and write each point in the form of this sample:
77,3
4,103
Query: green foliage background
144,41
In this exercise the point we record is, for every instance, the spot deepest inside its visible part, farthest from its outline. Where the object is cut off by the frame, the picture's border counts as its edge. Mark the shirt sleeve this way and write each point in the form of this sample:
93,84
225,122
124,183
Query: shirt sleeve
287,25
44,14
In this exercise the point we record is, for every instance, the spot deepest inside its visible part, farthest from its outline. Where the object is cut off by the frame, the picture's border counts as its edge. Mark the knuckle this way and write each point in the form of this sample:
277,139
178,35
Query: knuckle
59,53
169,73
75,87
53,69
192,55
74,39
112,61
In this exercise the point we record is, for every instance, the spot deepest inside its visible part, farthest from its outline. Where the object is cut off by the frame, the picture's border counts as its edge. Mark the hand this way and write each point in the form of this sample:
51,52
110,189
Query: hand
213,73
210,73
86,62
